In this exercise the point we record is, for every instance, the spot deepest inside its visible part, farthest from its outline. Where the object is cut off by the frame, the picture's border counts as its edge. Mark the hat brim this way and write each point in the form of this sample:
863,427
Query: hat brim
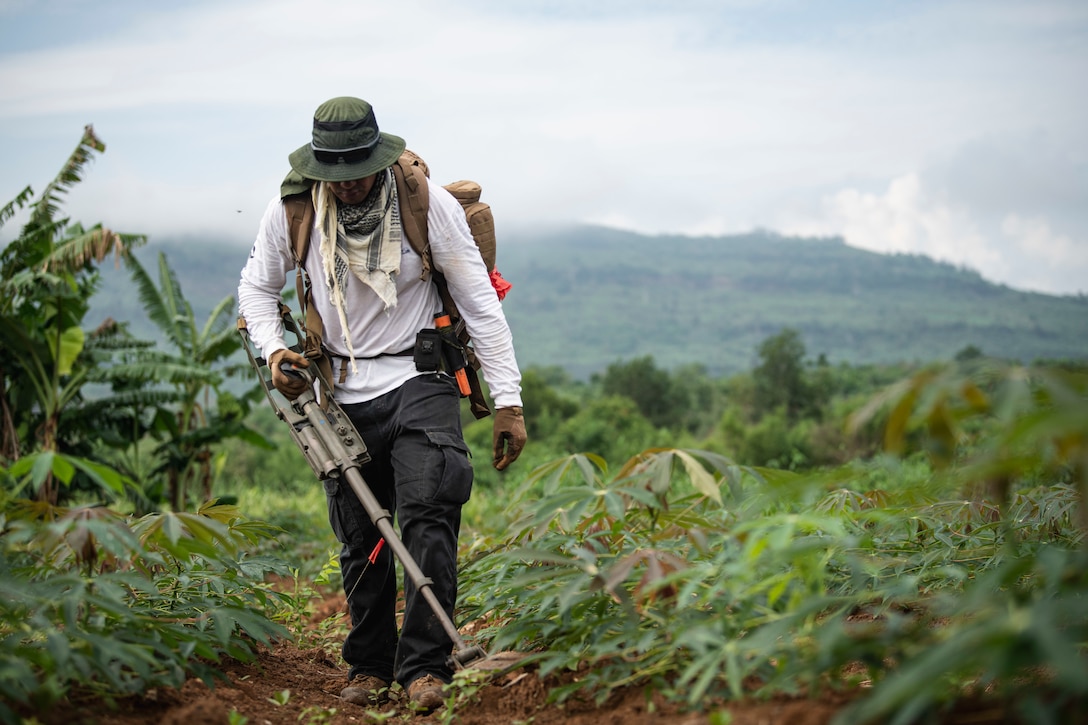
386,152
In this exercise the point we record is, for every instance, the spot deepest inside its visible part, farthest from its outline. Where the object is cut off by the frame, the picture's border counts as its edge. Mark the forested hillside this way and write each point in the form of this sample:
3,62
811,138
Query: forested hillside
585,297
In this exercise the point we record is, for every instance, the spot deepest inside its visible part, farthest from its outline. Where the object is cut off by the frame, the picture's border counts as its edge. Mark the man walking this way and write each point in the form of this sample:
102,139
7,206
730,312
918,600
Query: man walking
374,293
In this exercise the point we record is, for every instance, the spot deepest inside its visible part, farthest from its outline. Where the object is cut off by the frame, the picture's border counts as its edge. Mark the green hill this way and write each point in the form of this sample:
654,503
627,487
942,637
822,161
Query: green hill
585,297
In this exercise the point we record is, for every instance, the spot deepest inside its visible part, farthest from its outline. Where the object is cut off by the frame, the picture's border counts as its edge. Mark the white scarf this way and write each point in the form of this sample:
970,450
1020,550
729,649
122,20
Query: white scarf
372,256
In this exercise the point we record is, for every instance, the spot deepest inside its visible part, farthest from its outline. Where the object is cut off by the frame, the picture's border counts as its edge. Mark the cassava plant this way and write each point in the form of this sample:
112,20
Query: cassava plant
93,603
710,581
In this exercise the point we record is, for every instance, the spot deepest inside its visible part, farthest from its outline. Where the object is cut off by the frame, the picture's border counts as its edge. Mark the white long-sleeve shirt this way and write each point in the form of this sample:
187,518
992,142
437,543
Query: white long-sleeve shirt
373,329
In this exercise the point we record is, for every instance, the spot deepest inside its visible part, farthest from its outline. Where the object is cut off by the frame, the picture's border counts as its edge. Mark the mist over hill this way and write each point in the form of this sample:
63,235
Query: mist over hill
585,297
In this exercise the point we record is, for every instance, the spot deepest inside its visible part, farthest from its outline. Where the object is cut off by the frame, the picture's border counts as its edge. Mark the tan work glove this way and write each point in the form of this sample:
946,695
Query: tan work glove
508,436
289,385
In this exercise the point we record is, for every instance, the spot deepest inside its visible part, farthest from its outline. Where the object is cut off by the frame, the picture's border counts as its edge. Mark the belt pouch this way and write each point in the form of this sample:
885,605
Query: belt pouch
428,350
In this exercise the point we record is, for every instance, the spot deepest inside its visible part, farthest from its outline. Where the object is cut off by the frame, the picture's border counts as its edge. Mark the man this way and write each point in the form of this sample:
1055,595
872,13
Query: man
373,298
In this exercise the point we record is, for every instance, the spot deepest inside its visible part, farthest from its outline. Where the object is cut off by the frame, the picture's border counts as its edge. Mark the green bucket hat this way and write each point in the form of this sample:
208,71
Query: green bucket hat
346,143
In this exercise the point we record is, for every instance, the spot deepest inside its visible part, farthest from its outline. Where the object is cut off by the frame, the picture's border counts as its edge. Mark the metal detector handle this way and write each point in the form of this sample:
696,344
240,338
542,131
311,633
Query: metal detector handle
289,369
328,436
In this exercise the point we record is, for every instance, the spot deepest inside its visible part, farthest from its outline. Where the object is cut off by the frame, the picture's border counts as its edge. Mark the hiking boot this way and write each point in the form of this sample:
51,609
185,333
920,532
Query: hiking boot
426,693
366,690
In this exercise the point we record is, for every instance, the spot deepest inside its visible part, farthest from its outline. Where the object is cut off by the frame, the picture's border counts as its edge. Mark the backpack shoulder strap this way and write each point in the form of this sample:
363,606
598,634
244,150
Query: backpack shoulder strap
410,172
300,223
300,219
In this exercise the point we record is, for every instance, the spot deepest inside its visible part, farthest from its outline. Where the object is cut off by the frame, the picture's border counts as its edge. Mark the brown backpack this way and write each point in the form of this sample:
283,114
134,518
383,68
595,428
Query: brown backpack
411,173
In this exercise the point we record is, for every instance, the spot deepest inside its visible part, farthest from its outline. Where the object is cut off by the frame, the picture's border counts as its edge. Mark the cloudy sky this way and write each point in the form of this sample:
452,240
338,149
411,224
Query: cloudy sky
955,128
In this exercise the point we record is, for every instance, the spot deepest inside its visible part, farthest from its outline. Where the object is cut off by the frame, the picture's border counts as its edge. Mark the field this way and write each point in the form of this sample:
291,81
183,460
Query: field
680,587
938,577
298,678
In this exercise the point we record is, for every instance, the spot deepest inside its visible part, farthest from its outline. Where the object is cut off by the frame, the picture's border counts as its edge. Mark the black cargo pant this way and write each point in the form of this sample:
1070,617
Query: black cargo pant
420,472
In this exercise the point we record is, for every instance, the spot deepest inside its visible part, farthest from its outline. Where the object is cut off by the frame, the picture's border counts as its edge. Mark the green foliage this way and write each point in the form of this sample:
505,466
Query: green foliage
461,694
314,715
699,398
709,581
271,462
609,426
31,472
67,394
544,397
47,275
780,380
296,612
997,423
648,386
771,441
194,370
91,600
1020,616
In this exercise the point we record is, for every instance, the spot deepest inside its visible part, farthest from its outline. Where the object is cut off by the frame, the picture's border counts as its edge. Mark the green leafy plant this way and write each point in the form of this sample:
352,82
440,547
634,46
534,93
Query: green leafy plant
296,612
314,715
710,581
47,275
90,600
195,371
462,692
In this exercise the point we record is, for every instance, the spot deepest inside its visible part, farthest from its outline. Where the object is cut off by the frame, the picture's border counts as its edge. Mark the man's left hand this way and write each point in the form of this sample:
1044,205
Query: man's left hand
508,436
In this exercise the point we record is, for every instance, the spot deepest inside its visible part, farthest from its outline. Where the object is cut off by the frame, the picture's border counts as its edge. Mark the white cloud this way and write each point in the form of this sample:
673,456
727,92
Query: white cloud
660,117
909,217
1034,237
904,219
1050,256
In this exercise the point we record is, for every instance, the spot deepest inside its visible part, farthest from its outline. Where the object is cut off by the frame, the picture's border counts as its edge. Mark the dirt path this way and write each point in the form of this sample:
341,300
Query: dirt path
292,685
313,681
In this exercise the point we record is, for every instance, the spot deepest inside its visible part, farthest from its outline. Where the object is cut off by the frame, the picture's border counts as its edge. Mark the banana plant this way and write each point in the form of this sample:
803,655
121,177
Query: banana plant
204,414
47,275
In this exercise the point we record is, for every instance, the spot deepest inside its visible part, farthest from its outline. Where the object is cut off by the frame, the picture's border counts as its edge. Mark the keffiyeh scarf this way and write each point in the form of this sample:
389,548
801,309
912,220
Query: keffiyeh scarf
364,239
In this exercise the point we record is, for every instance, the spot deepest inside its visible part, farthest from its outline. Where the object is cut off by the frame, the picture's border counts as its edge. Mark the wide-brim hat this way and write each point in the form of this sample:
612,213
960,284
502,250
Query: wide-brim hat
346,143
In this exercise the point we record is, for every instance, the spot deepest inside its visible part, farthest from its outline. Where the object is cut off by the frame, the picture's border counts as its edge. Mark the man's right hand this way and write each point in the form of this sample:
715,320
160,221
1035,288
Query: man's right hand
291,386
